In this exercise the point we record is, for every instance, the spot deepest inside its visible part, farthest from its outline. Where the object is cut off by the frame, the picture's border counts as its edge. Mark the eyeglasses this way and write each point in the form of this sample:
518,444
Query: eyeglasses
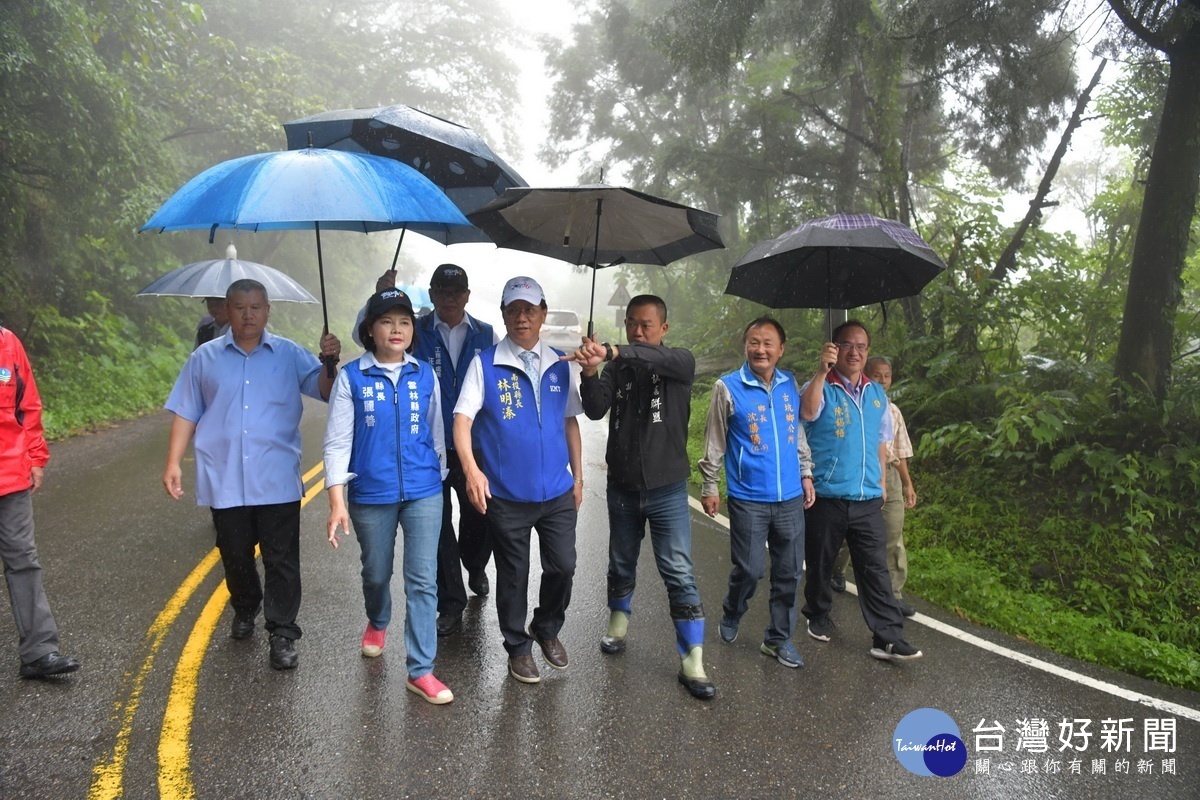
529,312
449,291
856,346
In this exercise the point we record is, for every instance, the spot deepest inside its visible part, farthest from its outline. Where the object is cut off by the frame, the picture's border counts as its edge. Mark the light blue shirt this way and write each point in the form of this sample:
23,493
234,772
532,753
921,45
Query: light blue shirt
247,410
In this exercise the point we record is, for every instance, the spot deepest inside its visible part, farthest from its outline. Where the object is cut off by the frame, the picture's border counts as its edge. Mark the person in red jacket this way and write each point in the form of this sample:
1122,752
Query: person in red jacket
23,456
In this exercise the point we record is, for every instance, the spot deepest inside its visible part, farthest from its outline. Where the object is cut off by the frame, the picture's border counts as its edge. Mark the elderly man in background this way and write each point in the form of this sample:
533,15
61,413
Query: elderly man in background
449,339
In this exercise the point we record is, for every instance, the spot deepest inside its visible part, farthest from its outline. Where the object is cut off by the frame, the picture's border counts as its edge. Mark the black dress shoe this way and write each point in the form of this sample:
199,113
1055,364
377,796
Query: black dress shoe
905,608
838,583
54,663
283,653
242,626
449,624
479,584
701,689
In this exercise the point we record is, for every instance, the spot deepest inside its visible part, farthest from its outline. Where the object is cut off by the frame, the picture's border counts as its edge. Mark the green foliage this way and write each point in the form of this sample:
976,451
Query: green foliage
105,367
109,106
977,591
1093,509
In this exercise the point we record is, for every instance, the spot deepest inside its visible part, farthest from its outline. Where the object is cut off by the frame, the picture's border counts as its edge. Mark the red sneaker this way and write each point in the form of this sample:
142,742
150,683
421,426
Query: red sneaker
430,689
373,639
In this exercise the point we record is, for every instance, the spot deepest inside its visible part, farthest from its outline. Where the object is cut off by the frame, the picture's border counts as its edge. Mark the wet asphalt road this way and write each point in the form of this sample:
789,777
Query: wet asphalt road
117,551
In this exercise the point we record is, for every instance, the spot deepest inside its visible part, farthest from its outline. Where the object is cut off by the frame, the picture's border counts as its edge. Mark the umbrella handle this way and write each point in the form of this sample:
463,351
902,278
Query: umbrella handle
330,363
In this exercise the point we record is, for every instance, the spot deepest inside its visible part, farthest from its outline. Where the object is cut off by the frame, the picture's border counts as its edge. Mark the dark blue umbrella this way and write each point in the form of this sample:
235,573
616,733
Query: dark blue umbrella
453,156
306,189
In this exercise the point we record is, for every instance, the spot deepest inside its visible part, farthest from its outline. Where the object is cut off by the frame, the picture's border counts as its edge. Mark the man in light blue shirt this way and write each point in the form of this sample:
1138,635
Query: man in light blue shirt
239,396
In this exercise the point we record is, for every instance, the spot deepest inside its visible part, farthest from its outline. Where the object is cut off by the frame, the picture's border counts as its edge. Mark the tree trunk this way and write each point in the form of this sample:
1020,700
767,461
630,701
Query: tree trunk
1148,326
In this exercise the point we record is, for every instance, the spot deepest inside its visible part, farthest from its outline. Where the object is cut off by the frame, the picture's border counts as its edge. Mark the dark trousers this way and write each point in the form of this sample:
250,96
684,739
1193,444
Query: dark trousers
275,529
509,524
470,548
860,524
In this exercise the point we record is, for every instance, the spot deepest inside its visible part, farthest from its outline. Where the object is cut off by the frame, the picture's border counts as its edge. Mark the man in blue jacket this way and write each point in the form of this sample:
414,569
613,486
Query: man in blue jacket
754,428
848,425
520,401
449,339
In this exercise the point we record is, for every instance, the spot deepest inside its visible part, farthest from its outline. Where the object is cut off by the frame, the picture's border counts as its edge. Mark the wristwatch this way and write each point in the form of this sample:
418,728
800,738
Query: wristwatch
608,351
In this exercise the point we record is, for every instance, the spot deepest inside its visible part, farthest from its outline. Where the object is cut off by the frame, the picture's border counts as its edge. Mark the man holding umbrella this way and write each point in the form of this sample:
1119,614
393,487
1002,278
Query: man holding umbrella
521,401
240,397
647,388
449,339
848,425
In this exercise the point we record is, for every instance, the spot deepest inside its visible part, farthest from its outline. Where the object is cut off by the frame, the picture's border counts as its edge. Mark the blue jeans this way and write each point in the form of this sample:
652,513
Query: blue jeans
375,527
666,509
780,526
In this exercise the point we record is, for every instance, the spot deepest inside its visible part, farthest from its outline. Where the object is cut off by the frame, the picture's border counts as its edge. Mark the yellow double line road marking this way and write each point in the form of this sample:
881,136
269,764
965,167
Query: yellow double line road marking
174,760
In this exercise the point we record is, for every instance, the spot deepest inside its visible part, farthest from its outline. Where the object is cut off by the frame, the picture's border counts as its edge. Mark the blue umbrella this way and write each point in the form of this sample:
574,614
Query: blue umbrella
306,189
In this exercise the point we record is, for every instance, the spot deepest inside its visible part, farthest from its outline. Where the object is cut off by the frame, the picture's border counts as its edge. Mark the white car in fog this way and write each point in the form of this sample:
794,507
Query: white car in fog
562,329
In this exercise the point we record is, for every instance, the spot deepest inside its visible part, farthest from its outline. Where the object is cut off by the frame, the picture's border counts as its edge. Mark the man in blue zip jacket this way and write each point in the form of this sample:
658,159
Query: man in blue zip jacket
848,425
520,400
754,427
449,339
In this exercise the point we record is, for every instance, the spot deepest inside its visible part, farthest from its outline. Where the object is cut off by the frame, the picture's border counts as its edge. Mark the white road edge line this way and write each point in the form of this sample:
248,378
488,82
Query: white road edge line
1036,663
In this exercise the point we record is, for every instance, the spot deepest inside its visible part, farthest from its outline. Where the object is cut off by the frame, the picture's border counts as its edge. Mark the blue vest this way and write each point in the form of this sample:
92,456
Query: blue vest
431,348
524,454
393,455
762,463
845,442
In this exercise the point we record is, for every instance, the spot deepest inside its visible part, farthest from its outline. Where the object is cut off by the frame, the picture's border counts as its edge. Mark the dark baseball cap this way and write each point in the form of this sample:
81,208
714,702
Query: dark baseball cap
448,275
385,301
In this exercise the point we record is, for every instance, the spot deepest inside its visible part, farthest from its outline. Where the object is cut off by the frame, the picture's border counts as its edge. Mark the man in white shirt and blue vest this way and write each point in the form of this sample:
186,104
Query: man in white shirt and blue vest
448,339
520,401
848,425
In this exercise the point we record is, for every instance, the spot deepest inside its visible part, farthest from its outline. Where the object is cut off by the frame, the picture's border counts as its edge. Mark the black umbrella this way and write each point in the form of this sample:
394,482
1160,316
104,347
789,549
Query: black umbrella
597,225
839,261
453,157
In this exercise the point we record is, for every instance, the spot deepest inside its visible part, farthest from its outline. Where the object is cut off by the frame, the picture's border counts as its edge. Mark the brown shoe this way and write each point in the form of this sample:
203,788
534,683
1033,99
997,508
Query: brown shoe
552,650
524,669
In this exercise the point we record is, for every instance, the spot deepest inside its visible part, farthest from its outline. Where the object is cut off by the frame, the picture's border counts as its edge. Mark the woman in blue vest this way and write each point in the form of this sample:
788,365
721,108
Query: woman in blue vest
385,458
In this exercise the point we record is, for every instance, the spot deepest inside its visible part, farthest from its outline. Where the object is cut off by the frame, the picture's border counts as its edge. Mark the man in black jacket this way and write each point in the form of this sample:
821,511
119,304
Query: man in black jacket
647,387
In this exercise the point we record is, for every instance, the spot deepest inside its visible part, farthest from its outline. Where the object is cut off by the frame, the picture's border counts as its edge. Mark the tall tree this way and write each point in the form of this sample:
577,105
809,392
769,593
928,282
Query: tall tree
820,105
1146,347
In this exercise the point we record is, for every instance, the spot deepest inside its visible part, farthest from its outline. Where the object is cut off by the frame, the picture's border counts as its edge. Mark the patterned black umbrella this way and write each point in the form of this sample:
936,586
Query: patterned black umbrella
839,261
455,158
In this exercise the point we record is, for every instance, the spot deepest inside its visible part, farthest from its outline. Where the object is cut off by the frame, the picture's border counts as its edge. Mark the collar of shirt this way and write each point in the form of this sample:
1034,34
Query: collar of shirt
855,391
368,360
267,341
509,354
750,378
442,325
